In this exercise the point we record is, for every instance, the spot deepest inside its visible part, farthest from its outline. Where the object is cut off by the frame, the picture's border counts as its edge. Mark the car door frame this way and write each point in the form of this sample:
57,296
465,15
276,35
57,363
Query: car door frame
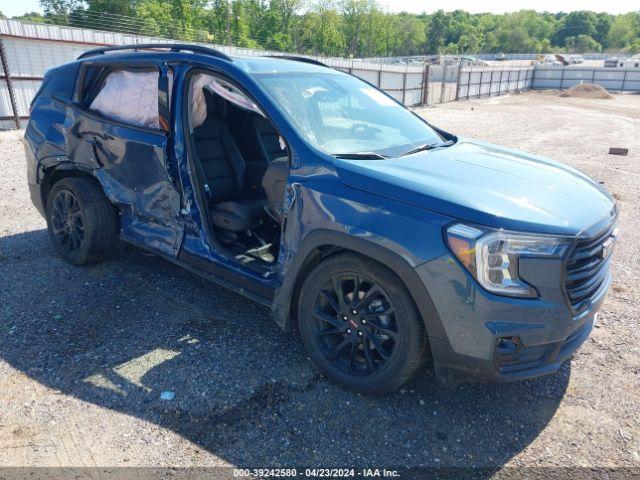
201,249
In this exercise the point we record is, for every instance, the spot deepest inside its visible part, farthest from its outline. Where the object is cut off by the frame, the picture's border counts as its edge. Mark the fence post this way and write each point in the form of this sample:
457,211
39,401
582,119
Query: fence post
425,85
518,81
500,84
404,86
491,72
7,77
444,83
624,79
562,77
458,80
380,77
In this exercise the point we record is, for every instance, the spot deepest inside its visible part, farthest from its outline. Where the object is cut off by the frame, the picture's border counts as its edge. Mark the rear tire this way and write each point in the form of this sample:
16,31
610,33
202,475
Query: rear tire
82,222
370,337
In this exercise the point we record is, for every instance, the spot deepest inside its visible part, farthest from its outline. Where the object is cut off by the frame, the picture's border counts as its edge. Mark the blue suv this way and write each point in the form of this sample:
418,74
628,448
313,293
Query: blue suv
382,240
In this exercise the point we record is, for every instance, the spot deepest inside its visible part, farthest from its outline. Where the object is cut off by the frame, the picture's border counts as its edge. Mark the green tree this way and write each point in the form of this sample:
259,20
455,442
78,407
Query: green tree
625,29
409,35
544,46
353,21
116,7
33,17
512,35
582,44
436,32
156,18
574,24
350,27
321,30
634,47
60,11
239,26
603,25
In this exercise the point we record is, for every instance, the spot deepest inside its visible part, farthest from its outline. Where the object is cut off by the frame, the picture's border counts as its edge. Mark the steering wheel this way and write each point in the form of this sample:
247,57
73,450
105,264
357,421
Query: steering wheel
359,127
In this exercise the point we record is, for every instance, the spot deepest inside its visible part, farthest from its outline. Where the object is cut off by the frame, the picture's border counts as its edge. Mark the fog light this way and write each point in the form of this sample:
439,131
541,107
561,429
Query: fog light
507,346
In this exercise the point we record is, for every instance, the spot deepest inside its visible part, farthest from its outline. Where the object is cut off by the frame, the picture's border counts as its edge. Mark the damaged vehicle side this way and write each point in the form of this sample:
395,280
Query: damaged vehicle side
318,195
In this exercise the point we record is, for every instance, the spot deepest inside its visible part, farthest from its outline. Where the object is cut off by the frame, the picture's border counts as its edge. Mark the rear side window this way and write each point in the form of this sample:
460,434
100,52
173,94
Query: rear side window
127,96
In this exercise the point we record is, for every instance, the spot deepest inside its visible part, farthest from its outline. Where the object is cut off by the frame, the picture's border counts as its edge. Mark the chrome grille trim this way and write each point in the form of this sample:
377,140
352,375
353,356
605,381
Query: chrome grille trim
586,269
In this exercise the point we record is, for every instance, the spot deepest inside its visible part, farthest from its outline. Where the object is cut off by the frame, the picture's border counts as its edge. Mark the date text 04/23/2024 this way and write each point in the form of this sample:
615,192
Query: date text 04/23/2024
315,473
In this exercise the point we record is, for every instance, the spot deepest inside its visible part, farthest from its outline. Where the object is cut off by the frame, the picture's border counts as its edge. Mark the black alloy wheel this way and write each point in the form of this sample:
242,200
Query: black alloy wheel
359,324
81,220
355,324
66,221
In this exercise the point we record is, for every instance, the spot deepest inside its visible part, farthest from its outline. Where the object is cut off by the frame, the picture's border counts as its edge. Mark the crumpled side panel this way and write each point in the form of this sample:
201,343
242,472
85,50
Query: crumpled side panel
130,164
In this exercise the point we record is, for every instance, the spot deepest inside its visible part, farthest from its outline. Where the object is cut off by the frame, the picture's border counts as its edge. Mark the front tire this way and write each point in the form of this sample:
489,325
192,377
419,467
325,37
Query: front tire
82,223
360,325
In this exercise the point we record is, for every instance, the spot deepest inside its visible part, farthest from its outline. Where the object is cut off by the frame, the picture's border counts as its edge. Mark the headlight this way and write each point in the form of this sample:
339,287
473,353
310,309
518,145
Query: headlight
492,256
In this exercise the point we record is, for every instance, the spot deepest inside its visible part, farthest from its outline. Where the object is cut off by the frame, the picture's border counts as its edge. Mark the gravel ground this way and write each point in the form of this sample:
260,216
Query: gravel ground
87,353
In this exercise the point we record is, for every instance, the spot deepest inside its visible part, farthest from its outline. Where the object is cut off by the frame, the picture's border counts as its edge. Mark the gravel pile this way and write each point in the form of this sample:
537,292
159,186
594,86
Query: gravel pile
586,90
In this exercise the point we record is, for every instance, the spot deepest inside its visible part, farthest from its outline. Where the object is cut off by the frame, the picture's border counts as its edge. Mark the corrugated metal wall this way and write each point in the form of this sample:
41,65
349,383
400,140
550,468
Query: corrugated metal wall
479,82
613,79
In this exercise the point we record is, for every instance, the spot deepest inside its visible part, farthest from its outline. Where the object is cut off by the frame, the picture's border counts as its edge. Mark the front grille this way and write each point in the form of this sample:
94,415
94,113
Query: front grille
587,269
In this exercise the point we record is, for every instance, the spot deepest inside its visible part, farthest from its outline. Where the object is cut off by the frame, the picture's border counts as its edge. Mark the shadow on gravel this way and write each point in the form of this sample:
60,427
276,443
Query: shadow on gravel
127,333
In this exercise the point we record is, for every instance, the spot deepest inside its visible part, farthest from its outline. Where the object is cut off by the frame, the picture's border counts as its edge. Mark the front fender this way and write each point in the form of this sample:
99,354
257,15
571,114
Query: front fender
319,223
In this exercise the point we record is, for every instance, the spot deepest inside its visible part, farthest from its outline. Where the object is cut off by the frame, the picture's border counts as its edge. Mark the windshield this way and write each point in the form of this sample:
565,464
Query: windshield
342,115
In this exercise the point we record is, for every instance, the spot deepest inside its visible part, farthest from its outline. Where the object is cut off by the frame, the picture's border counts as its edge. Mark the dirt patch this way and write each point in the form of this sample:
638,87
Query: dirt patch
586,90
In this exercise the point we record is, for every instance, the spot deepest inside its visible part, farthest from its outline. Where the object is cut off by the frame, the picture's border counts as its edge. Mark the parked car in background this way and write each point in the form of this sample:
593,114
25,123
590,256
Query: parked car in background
378,238
612,62
549,60
501,57
464,60
576,59
633,62
469,61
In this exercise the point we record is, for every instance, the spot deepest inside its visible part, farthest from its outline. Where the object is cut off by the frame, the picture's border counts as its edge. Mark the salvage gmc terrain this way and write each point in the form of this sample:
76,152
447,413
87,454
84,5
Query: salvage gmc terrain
381,239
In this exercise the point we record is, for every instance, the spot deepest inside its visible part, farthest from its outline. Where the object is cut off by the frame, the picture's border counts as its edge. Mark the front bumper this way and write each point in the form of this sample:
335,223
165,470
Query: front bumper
495,338
450,365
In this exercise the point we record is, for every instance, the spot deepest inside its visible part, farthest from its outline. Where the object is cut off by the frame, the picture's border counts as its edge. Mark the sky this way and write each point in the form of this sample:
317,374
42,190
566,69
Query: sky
12,7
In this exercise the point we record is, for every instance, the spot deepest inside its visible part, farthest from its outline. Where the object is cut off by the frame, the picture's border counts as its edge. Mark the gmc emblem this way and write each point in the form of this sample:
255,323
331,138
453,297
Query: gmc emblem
607,247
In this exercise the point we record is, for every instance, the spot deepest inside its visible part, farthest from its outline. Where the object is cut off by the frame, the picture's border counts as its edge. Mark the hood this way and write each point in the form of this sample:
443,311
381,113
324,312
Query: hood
488,185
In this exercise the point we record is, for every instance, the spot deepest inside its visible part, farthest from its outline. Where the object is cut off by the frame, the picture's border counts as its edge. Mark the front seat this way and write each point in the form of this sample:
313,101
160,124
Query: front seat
223,169
267,139
274,183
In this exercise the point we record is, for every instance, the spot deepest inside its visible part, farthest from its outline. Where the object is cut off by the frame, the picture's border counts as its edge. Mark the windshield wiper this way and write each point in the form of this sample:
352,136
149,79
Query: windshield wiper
428,146
360,156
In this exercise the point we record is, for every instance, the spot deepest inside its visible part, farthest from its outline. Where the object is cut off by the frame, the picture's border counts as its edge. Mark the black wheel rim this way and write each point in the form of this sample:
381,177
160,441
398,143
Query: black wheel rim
355,325
66,221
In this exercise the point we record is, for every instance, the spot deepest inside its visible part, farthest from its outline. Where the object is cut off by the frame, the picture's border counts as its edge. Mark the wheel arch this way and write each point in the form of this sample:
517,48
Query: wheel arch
55,173
319,245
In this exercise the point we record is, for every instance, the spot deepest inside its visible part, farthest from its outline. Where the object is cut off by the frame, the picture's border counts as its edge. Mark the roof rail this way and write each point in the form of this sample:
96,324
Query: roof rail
174,47
301,59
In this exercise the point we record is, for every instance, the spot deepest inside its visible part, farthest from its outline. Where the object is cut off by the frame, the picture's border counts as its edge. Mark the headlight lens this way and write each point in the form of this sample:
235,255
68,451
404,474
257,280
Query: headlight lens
492,256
